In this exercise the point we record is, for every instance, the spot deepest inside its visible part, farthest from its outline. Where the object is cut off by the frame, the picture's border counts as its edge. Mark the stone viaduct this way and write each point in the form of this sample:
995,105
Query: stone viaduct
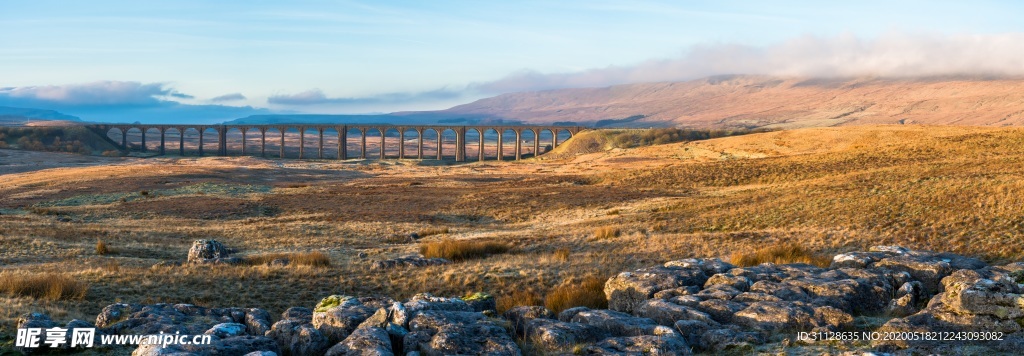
343,131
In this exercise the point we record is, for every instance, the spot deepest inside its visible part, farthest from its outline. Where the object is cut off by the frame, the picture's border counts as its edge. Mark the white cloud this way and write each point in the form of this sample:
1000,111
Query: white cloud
96,93
891,55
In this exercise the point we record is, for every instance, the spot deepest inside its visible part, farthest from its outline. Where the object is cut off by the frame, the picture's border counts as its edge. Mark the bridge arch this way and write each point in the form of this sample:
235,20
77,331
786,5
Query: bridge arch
474,143
233,142
394,147
152,139
446,144
528,142
509,141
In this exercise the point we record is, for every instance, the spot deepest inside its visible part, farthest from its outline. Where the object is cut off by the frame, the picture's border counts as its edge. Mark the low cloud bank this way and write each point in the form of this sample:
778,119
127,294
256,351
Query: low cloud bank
892,55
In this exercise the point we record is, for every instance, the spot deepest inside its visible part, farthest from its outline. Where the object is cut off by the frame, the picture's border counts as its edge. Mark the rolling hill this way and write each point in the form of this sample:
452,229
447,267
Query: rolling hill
769,102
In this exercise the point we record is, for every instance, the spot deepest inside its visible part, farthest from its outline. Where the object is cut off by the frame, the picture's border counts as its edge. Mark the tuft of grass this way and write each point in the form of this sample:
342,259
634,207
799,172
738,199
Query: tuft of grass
460,250
101,248
518,298
607,232
561,254
47,286
433,231
313,258
587,293
780,254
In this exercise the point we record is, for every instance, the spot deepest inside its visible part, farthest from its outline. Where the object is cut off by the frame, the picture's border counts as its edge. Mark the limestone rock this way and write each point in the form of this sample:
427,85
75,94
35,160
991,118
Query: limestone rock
710,266
666,313
364,341
620,324
341,317
628,290
554,334
776,317
520,316
640,345
209,251
440,332
408,261
740,283
298,339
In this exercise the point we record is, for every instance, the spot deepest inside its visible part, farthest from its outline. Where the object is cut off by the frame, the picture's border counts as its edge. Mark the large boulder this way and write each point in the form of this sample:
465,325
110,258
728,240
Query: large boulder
298,338
209,251
364,341
667,313
628,290
973,301
185,319
776,317
620,324
441,332
553,334
337,316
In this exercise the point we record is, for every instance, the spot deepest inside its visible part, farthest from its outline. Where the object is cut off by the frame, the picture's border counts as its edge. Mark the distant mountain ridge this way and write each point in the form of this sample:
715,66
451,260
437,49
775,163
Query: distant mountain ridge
15,115
772,102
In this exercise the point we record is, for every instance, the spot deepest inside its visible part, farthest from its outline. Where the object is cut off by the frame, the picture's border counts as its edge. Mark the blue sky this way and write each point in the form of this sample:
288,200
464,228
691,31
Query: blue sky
359,57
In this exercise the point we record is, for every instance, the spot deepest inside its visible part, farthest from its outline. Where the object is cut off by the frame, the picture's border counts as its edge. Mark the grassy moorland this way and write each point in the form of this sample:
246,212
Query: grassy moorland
536,228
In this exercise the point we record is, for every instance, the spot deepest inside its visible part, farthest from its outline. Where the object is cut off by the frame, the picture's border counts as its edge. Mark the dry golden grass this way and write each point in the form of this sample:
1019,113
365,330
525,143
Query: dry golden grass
587,293
829,190
312,258
461,250
607,232
561,254
101,248
45,286
517,299
780,254
433,231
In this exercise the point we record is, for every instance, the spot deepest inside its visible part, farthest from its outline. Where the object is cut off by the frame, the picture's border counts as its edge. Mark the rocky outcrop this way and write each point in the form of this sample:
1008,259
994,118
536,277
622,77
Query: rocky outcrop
409,261
684,306
210,251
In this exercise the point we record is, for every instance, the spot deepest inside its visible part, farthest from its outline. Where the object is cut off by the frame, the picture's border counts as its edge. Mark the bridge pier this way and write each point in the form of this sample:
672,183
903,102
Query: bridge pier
343,142
362,143
263,142
401,144
320,143
480,154
222,141
501,146
383,144
163,133
419,143
302,142
460,145
440,145
202,131
536,143
181,141
282,130
519,145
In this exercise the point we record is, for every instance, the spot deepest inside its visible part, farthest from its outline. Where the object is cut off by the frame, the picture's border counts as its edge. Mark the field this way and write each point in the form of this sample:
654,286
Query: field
565,218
